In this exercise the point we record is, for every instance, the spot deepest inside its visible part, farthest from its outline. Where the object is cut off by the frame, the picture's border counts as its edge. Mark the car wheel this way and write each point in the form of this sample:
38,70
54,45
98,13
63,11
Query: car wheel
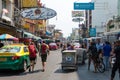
24,66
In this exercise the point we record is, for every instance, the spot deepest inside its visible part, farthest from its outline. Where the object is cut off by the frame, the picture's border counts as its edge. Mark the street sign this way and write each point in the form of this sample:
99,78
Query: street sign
92,32
83,6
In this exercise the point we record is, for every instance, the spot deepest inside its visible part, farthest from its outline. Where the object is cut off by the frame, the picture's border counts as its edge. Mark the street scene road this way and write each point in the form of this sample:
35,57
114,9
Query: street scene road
54,72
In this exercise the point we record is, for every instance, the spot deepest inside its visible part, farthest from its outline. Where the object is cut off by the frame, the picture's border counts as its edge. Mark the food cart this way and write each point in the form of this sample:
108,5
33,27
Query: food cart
69,60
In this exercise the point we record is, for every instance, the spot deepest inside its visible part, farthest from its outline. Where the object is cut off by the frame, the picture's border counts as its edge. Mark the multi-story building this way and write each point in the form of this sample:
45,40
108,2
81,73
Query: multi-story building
103,12
75,34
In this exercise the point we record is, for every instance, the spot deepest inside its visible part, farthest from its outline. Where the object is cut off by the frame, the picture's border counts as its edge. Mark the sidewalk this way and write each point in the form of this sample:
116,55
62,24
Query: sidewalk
85,74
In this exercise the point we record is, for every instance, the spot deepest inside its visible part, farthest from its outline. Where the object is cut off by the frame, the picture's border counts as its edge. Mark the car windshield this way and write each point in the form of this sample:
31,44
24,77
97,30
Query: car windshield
10,49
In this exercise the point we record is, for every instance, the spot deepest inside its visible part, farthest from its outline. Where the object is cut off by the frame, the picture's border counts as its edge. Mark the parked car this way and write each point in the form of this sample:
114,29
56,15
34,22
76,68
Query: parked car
53,46
14,57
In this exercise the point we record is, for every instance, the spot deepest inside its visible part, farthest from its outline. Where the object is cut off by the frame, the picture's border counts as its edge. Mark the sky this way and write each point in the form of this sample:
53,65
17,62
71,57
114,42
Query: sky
63,20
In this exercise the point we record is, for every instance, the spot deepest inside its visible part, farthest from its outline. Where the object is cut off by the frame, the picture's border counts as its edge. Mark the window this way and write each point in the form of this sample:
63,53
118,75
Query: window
25,49
3,4
10,49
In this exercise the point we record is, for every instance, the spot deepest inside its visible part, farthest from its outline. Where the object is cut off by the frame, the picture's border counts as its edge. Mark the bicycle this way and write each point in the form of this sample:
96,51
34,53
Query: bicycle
100,64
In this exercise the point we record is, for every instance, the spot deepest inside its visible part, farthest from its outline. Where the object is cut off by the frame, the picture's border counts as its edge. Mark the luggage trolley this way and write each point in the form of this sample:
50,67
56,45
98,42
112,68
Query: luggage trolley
69,60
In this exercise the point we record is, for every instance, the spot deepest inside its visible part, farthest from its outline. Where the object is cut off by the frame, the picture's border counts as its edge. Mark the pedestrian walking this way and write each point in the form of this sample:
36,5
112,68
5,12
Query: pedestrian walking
32,55
106,55
44,51
116,65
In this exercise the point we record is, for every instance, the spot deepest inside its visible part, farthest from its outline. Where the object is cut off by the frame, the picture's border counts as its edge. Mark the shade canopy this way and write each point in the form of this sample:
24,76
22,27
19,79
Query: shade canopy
7,37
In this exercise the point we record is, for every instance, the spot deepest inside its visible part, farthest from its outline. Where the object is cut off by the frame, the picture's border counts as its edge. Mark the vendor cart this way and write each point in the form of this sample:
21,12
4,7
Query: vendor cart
69,60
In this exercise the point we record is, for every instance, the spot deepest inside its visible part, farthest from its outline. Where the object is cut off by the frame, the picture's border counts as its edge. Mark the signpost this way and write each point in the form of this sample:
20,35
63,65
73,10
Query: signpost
86,6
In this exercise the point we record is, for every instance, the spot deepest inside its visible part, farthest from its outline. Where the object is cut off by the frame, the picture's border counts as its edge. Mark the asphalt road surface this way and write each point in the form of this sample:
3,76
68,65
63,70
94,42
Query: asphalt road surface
54,72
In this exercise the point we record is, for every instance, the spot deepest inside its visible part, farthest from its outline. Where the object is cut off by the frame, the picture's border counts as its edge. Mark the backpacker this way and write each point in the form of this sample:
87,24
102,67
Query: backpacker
32,51
43,49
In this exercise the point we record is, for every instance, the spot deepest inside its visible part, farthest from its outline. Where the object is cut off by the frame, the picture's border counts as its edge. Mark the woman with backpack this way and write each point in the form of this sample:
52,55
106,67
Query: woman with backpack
32,55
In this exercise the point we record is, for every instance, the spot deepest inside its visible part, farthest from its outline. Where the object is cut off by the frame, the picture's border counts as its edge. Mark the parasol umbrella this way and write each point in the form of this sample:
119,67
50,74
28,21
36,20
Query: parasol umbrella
7,37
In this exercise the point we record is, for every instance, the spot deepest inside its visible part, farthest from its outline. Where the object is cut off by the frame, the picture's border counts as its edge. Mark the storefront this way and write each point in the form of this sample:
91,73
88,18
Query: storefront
5,28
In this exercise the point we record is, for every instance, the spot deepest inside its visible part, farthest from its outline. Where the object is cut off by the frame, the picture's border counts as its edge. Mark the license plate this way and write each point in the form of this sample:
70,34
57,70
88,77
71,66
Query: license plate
3,59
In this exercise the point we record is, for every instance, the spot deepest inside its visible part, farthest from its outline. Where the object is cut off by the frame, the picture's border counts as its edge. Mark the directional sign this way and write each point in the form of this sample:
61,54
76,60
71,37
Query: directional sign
83,6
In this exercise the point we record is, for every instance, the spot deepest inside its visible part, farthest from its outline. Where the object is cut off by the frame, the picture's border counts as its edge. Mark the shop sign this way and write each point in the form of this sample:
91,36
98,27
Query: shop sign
77,19
38,13
28,3
84,6
92,32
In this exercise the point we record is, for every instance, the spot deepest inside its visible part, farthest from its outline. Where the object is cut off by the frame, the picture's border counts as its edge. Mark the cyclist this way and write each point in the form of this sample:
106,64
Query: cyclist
93,55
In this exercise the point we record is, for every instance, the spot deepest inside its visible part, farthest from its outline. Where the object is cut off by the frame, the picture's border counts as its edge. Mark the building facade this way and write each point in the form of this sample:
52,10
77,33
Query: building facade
6,18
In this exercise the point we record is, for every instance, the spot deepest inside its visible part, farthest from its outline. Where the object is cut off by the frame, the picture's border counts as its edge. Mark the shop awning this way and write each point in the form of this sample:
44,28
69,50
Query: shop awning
28,35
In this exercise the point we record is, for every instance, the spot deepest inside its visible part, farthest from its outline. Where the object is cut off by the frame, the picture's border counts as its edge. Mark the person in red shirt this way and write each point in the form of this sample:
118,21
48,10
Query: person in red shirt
43,52
32,55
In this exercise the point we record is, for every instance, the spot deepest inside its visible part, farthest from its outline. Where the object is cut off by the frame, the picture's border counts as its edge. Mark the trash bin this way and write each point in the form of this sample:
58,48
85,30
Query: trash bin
81,55
69,59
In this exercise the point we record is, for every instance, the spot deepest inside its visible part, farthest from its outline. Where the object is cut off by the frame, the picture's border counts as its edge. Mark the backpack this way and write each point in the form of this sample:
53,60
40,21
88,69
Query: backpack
93,50
32,51
43,49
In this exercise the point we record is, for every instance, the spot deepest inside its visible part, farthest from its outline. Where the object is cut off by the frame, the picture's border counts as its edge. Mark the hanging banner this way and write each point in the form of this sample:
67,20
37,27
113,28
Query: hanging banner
38,13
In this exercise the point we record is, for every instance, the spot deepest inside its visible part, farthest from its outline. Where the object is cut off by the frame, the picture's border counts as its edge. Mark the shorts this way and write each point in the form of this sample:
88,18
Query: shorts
44,57
32,58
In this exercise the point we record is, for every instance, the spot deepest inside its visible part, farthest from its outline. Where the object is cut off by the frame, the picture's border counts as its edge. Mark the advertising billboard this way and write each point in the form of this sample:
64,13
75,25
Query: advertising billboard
77,13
